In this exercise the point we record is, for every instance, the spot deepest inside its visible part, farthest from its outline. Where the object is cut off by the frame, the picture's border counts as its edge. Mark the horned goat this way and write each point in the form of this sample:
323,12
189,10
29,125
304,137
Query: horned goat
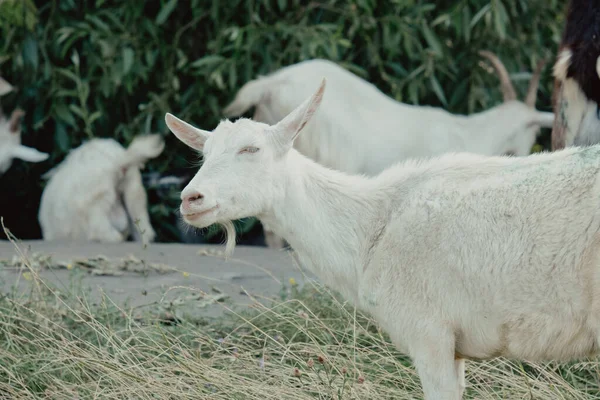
10,136
97,194
360,130
460,256
576,95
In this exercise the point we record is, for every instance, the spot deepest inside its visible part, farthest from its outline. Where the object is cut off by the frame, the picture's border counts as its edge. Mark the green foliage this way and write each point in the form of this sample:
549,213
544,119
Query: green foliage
105,68
19,13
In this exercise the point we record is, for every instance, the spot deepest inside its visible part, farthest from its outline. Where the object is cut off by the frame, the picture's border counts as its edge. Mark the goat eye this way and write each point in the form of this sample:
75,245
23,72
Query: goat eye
249,149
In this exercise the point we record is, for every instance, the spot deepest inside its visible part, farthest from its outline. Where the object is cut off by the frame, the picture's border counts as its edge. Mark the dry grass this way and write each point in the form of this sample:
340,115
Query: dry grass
309,346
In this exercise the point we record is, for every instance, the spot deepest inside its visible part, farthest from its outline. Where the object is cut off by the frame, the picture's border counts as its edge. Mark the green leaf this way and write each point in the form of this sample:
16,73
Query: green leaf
98,23
128,55
397,68
444,18
165,11
207,61
500,18
413,92
39,116
94,116
68,74
232,76
431,39
116,74
62,112
466,26
480,15
61,137
30,52
107,48
345,43
77,110
65,93
459,93
437,89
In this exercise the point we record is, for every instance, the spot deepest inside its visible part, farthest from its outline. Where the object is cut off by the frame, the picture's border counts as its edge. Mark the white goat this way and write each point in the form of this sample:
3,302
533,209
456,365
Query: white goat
10,136
461,256
97,194
360,130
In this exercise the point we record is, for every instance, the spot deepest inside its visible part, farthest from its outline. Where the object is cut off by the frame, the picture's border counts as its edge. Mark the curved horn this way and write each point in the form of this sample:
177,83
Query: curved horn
534,84
508,91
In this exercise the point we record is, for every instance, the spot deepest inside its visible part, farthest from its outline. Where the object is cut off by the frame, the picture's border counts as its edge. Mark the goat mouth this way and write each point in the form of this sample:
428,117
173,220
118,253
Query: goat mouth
196,215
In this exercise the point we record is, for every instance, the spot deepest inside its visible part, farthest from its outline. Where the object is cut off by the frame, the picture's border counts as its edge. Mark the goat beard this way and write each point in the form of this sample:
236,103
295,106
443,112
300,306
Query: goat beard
230,240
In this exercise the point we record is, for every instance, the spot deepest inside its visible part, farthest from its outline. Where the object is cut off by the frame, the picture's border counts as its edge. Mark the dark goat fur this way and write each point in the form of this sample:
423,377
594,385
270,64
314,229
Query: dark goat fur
581,36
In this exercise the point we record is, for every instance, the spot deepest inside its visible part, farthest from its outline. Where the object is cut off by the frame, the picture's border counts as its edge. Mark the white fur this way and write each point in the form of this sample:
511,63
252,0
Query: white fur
461,256
5,87
97,194
360,130
10,136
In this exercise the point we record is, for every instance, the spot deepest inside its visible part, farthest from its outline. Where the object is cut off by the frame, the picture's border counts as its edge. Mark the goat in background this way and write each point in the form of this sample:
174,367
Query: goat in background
576,95
97,193
360,130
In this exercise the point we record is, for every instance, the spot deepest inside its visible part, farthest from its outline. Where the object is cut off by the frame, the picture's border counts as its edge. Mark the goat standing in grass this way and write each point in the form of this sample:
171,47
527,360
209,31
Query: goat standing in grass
576,95
360,130
458,257
97,194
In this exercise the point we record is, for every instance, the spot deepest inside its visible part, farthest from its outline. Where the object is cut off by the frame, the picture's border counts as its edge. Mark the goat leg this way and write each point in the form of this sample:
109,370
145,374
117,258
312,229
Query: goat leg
136,203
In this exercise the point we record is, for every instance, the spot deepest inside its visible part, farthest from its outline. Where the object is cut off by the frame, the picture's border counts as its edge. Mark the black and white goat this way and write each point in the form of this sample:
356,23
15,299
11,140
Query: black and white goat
576,97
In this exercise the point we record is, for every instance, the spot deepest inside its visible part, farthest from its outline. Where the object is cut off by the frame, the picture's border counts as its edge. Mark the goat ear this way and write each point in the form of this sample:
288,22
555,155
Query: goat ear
290,127
598,66
188,134
29,154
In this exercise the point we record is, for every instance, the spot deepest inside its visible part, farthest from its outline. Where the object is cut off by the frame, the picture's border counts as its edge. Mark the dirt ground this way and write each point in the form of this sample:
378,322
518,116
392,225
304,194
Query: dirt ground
196,278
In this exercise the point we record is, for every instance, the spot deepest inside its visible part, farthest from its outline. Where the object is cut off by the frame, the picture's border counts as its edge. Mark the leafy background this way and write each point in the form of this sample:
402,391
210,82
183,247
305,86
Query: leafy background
102,68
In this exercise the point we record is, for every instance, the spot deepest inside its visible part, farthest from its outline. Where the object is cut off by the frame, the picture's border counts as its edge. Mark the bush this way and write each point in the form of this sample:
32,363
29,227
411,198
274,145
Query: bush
107,68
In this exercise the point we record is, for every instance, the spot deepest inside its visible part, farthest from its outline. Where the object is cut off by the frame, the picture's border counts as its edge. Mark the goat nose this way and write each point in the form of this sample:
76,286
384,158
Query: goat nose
193,198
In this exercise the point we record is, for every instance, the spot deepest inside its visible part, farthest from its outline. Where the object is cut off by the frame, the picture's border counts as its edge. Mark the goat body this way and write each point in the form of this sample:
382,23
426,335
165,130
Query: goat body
460,256
576,95
360,130
97,194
